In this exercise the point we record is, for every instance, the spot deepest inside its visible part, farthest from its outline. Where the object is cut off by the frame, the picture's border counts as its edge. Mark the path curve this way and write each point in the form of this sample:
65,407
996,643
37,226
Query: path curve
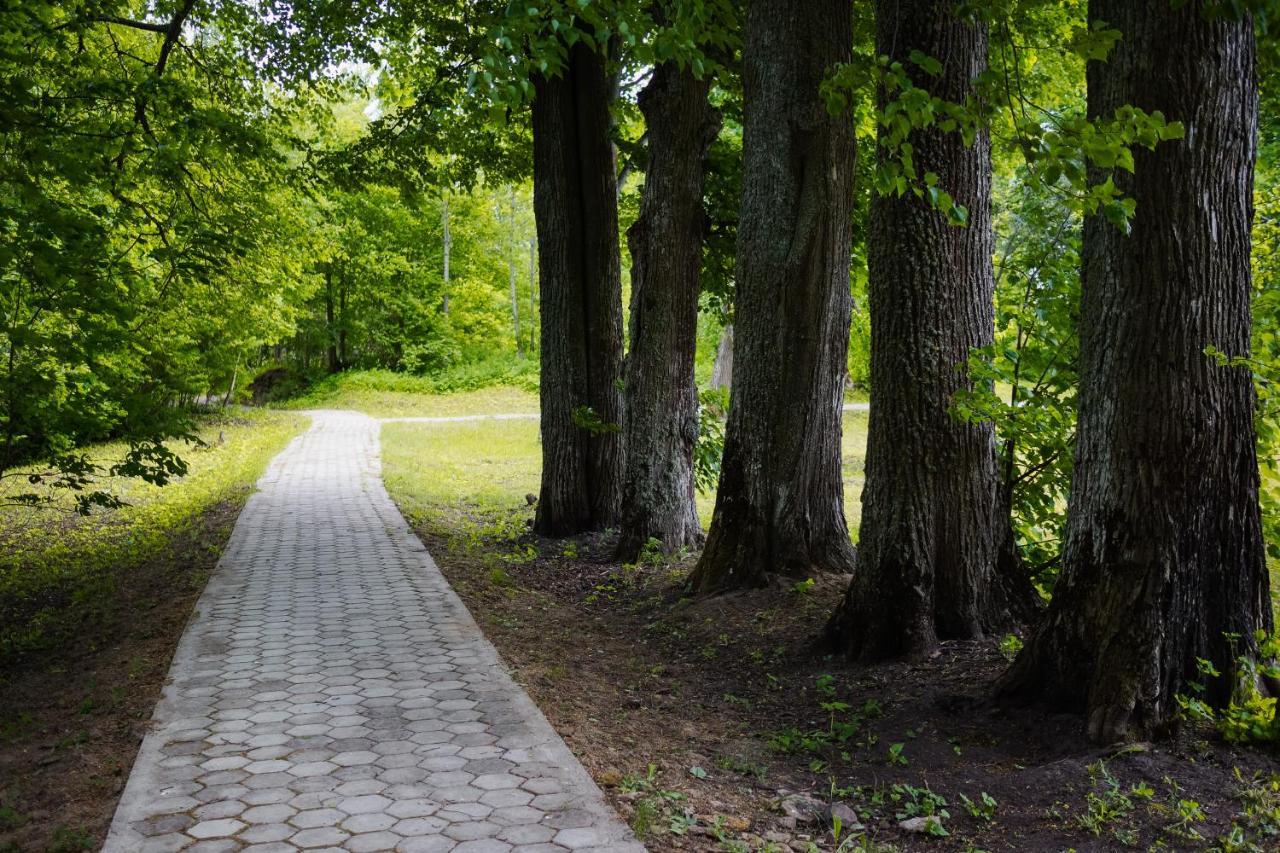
332,692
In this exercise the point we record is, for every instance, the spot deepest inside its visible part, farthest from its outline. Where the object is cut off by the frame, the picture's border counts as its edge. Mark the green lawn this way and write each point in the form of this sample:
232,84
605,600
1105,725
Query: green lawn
52,559
442,473
408,404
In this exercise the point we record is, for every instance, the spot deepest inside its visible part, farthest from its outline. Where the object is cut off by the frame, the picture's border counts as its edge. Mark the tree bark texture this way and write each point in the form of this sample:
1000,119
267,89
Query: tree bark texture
1163,554
666,255
929,533
780,503
575,207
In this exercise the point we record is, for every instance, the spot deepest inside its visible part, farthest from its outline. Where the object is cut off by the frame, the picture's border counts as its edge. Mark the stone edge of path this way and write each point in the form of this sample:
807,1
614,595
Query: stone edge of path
121,838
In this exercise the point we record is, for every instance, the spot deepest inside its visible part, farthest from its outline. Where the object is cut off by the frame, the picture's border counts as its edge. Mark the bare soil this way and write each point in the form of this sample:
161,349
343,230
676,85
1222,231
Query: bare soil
690,714
73,716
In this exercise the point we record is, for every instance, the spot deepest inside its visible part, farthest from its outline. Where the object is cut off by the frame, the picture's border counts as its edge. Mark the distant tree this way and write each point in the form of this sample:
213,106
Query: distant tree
779,506
1163,563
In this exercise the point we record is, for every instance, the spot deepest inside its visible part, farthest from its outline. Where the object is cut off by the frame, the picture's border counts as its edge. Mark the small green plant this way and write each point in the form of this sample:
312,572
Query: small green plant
586,418
983,808
843,723
643,817
1107,805
1187,813
803,587
895,754
1010,645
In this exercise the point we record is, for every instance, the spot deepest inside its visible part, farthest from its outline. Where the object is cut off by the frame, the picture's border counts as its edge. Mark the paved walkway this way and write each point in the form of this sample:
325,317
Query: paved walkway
332,693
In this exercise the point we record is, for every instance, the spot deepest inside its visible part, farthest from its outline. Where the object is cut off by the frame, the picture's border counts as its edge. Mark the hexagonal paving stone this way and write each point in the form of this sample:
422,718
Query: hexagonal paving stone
215,828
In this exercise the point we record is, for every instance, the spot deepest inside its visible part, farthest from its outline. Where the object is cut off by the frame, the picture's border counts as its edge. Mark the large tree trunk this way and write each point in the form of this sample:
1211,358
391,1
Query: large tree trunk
666,254
928,538
575,205
780,503
1163,555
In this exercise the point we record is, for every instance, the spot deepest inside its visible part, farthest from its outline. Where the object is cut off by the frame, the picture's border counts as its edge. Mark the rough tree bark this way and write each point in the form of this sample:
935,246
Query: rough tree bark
666,254
575,208
1163,554
929,533
779,507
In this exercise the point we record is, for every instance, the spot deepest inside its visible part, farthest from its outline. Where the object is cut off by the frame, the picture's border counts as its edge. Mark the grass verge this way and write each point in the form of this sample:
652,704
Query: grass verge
92,610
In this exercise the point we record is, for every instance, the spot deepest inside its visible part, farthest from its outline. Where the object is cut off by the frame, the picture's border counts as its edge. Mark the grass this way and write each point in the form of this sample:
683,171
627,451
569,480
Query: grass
411,404
450,473
486,388
55,566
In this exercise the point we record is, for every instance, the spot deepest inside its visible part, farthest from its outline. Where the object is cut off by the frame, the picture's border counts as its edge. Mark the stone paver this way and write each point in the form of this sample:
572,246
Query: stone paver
332,692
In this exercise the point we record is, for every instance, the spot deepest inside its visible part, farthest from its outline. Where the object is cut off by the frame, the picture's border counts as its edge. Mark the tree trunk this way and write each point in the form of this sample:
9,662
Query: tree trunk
448,250
533,296
511,268
929,533
331,331
343,357
575,206
666,254
779,507
1163,555
722,369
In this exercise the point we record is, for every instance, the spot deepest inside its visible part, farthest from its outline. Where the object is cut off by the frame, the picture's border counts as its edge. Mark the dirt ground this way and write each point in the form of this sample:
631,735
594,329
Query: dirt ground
71,719
714,725
711,724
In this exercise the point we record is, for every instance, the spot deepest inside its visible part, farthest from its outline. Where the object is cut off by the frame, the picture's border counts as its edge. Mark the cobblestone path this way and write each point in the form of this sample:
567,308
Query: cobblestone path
332,693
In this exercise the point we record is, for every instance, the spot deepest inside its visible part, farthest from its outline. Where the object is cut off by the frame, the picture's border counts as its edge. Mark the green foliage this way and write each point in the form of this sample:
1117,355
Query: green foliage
134,156
1025,383
713,406
1250,716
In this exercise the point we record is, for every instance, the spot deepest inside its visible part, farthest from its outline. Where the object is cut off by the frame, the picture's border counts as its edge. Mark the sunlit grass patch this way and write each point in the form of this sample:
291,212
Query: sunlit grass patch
446,473
53,562
504,387
451,471
402,404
